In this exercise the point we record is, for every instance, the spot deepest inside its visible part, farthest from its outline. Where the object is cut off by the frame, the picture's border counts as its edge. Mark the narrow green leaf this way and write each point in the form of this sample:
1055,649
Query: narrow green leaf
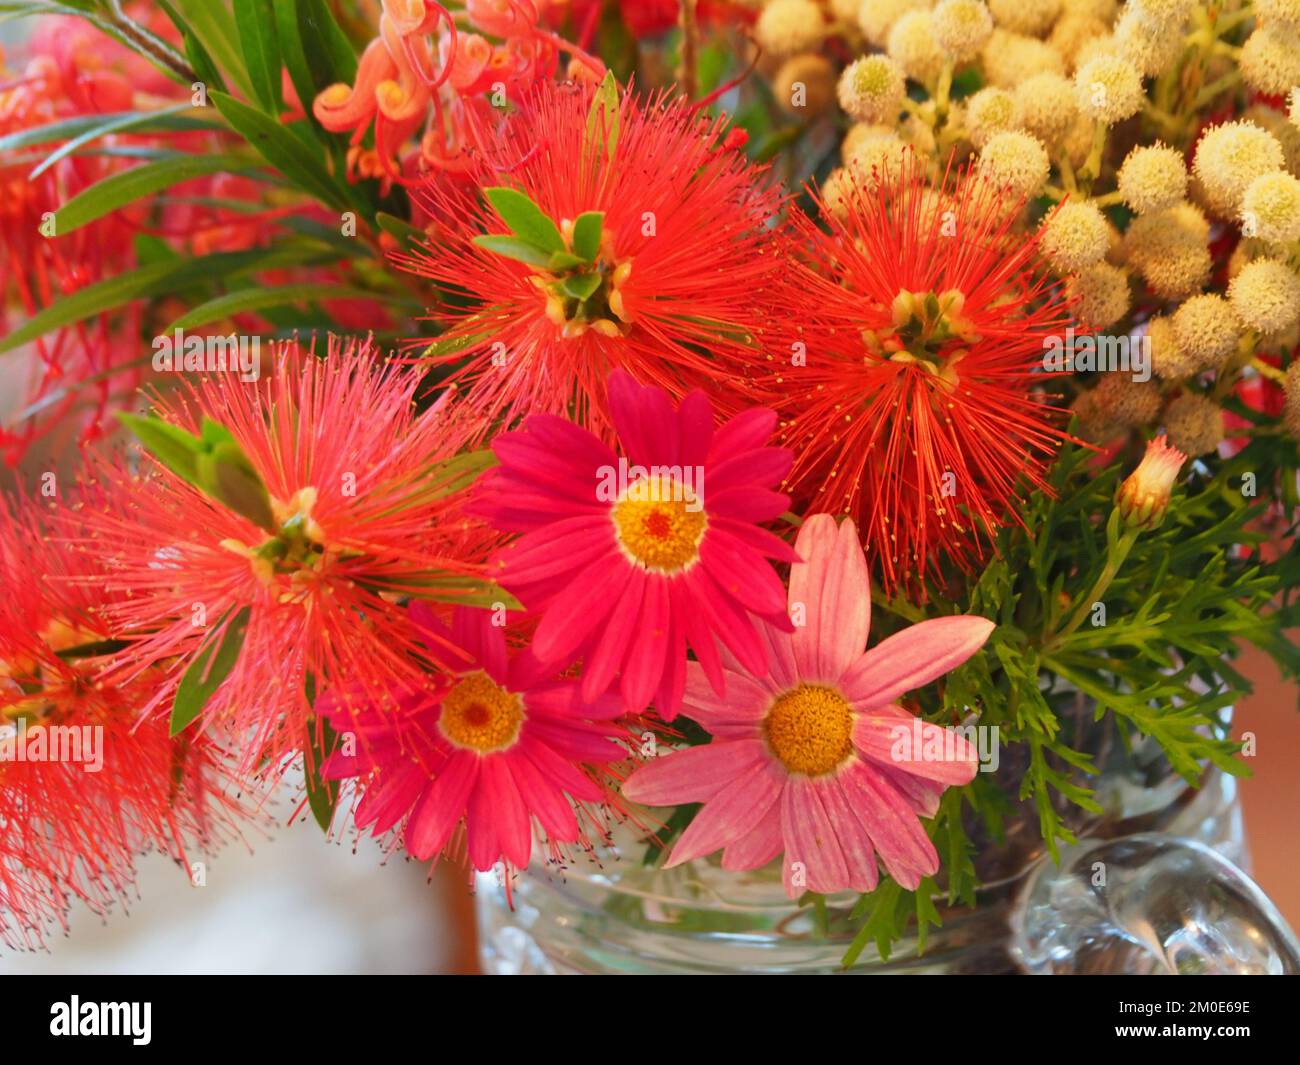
603,119
563,260
227,475
282,149
213,23
212,433
581,286
315,51
256,298
255,20
400,229
157,277
127,186
460,472
171,445
205,67
322,794
441,349
212,665
587,231
525,219
514,248
180,117
119,123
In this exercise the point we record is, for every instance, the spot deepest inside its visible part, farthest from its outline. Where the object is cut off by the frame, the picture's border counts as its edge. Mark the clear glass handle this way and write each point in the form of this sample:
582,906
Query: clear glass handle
1148,904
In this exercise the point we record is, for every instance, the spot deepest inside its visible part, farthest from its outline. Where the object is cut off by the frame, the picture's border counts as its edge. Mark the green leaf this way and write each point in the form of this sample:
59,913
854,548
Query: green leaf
180,117
257,40
442,348
213,23
211,666
400,229
118,123
582,286
127,186
587,231
525,219
282,150
603,119
212,433
227,475
256,298
315,51
514,248
171,445
563,260
322,794
164,276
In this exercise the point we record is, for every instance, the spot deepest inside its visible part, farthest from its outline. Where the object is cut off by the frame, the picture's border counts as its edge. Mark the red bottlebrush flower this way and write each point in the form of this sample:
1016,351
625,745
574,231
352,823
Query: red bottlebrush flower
84,785
630,560
912,397
364,508
676,285
494,742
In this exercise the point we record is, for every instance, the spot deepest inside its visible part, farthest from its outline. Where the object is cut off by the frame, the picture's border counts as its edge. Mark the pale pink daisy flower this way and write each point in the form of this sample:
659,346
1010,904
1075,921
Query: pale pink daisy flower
816,761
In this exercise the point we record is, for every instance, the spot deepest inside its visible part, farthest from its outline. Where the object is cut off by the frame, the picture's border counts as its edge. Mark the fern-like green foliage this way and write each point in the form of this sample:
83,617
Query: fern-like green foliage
1153,653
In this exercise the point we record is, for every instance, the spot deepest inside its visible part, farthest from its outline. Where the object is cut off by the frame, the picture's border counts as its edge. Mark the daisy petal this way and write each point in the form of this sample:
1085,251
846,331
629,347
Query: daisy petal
912,658
733,812
695,774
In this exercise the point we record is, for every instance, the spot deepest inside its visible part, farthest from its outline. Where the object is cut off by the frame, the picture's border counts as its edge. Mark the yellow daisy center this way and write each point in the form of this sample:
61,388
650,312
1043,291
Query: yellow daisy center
660,524
810,729
480,715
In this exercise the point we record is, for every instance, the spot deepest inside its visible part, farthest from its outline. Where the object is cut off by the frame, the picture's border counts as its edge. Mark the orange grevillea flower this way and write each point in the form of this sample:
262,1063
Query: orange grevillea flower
443,73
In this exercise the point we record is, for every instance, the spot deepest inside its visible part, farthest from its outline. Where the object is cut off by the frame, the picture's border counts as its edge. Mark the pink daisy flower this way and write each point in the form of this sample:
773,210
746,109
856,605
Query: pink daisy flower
495,743
628,561
815,761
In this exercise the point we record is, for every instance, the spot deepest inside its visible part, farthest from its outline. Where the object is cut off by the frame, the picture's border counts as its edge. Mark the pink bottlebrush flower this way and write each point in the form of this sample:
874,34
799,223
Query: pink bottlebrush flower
686,286
85,786
495,743
629,561
816,760
366,508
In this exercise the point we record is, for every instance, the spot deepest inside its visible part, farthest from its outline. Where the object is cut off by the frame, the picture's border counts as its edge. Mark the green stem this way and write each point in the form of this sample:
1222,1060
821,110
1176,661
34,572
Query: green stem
1116,553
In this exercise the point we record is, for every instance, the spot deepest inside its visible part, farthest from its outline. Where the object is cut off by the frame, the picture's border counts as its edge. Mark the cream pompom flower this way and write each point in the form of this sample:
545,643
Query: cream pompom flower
871,89
962,28
1075,236
1109,89
912,43
1101,293
787,27
1270,58
1152,178
1266,296
1206,330
1015,161
1270,208
989,112
1229,157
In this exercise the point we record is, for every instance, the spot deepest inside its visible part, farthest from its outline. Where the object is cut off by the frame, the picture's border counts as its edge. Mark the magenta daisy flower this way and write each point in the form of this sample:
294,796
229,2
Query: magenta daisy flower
631,560
815,761
495,743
